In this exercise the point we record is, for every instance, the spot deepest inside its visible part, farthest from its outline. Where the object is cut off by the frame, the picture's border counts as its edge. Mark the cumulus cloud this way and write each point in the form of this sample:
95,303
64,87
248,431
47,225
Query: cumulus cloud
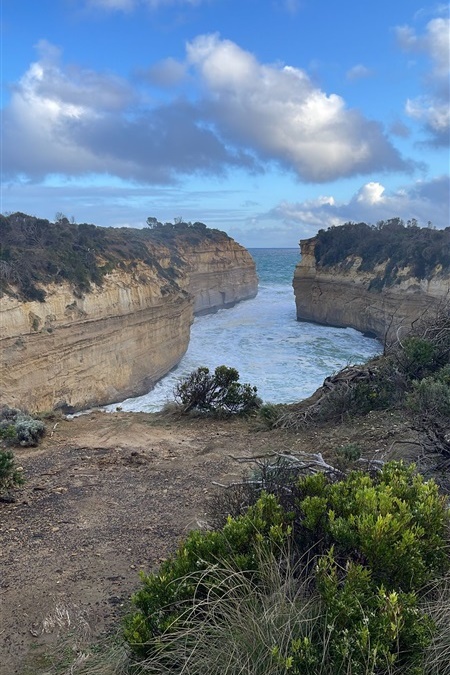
431,108
245,114
167,73
281,115
424,200
74,121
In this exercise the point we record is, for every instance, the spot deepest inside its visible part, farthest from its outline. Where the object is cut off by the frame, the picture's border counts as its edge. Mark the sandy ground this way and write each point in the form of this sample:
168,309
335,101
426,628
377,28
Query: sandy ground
107,495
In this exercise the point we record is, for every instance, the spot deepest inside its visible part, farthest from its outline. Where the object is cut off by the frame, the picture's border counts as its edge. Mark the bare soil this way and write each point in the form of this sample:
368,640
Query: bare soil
107,495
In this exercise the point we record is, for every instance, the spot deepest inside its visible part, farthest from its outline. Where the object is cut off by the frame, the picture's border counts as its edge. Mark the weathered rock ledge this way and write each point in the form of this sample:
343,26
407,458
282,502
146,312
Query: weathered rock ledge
80,350
340,296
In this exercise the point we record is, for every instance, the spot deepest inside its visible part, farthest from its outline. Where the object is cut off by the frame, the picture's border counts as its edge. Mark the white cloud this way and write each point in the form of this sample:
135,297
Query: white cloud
432,108
250,115
281,115
370,193
435,114
424,200
74,121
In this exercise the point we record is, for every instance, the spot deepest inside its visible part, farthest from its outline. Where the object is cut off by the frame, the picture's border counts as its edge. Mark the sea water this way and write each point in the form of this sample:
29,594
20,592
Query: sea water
284,358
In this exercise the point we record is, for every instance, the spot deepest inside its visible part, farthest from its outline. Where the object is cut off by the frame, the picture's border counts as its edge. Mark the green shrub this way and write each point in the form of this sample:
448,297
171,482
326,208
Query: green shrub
418,356
369,628
365,546
10,476
393,522
270,413
221,392
18,428
430,397
162,600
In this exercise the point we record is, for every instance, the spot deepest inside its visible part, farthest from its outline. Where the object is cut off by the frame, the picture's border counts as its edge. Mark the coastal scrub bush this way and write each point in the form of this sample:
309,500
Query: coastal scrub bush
10,476
162,601
430,397
394,523
219,393
353,556
18,428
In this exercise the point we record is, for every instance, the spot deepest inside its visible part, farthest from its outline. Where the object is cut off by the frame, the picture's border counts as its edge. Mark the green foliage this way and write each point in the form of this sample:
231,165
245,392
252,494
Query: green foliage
394,522
430,397
18,428
369,627
367,545
35,252
270,413
388,243
219,393
161,602
9,474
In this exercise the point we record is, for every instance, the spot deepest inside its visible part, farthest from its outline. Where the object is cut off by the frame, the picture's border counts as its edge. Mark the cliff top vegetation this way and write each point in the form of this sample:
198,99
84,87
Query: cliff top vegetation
35,252
400,245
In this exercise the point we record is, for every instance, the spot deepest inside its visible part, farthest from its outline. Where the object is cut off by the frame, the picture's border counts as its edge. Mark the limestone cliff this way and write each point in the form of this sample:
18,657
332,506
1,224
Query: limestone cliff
344,294
218,277
80,349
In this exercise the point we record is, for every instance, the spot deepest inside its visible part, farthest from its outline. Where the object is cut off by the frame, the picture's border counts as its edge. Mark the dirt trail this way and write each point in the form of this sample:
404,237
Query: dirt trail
106,496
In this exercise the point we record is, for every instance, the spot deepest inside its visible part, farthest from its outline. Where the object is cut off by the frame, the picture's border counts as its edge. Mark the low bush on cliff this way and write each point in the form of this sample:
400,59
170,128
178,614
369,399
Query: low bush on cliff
19,428
35,252
218,393
411,376
331,584
390,243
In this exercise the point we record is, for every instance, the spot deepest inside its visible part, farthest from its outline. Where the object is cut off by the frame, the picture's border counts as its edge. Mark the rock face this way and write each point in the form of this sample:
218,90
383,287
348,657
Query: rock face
339,295
80,350
219,277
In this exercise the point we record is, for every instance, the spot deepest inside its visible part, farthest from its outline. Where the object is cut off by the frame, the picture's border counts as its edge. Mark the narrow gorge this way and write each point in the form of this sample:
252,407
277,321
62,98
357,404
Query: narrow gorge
90,316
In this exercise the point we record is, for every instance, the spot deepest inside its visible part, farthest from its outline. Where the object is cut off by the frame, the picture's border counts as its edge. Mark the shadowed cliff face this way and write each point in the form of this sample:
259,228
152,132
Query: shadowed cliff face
344,295
83,349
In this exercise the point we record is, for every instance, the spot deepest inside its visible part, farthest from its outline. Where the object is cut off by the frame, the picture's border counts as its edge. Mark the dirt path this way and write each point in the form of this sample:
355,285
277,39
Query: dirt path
109,495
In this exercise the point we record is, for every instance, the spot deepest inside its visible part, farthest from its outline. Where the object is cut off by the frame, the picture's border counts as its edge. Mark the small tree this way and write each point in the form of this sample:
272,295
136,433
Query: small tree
152,222
219,392
10,476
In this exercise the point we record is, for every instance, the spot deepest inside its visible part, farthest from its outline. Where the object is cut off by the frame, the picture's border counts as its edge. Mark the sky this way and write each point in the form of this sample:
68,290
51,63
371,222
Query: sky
269,119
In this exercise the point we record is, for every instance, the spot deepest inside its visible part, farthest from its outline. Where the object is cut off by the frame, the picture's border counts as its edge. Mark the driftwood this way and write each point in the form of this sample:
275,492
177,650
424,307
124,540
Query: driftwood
277,474
302,463
332,395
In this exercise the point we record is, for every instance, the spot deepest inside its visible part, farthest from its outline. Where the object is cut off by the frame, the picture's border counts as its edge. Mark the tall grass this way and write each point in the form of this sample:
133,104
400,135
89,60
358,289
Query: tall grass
437,605
244,627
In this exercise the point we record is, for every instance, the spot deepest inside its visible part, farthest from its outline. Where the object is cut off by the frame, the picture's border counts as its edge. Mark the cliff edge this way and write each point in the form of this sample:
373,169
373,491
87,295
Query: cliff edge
378,280
90,316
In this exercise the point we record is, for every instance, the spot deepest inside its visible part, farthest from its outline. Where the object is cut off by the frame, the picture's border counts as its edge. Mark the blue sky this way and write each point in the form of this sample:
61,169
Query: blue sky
268,119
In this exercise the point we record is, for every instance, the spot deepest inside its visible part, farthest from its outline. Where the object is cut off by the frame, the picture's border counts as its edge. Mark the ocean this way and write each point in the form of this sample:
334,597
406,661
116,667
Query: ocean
284,358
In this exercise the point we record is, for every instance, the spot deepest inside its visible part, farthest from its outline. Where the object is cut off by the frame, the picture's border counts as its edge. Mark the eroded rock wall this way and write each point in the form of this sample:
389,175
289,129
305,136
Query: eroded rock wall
340,296
219,277
119,339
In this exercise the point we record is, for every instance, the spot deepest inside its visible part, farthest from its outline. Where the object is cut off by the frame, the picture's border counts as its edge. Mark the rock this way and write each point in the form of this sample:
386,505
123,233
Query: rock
339,296
120,338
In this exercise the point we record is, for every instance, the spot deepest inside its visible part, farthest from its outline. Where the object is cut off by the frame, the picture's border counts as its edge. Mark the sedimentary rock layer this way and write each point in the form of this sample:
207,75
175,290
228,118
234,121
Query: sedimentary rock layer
116,341
340,296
